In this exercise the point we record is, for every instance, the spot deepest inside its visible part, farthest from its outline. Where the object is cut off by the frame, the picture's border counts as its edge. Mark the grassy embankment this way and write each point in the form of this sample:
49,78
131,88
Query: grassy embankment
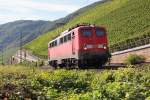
29,82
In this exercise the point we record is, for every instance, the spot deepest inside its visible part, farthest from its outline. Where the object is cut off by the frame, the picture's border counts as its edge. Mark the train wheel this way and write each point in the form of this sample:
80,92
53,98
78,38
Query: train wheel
68,65
54,64
61,65
98,66
81,64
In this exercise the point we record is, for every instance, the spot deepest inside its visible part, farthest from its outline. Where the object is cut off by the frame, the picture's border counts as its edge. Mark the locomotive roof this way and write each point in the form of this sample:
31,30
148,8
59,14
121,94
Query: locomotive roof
61,35
70,30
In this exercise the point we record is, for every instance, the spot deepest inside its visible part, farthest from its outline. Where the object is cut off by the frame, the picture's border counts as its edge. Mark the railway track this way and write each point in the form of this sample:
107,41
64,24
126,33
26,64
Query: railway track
112,66
105,67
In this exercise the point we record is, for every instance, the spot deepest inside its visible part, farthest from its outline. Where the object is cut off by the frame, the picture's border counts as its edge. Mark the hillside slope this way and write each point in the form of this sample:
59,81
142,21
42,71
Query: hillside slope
9,32
123,19
12,32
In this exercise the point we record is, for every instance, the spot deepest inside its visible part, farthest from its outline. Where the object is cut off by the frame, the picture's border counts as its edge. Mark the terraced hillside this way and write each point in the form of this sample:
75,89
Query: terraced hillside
124,19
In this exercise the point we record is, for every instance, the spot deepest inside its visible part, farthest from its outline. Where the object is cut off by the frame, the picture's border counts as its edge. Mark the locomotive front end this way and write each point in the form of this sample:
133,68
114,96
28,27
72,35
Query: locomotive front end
93,46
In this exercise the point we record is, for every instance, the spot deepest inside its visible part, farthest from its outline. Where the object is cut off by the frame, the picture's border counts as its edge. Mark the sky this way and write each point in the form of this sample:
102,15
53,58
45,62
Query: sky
11,10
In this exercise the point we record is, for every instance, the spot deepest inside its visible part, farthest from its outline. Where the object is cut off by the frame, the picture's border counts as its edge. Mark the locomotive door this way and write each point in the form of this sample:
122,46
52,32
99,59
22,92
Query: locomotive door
73,41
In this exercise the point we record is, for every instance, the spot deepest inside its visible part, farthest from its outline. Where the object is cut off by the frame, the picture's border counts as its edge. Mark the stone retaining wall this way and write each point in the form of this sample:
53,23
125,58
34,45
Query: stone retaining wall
119,57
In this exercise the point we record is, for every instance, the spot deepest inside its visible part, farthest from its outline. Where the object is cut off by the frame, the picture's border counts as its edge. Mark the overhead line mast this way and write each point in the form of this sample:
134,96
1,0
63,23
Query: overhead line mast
2,52
20,47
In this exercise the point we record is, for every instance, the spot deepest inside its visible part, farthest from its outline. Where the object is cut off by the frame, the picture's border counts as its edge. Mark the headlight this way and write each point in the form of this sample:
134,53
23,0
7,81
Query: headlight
103,46
88,46
100,46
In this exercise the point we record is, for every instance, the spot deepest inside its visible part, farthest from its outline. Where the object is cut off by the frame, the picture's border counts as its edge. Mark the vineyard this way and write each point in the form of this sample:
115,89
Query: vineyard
131,43
125,20
18,82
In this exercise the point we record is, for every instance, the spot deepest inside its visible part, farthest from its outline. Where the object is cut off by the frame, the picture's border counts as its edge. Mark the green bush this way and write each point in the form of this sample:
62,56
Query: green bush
35,84
134,59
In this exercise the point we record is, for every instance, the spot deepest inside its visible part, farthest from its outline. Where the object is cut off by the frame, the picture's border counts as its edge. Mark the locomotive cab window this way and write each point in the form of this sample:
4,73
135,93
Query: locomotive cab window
100,32
86,32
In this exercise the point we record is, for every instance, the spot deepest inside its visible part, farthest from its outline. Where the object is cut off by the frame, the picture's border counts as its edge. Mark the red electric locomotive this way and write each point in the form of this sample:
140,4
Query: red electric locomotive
83,46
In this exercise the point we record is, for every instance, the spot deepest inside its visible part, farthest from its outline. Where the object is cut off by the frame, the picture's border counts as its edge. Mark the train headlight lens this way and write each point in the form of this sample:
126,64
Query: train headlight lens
88,46
100,46
103,46
85,48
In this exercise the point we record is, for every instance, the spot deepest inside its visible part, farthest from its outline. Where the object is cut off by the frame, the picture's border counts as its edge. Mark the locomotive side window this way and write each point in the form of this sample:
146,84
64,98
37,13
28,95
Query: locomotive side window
65,38
49,45
73,36
61,40
87,32
54,43
100,32
69,37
